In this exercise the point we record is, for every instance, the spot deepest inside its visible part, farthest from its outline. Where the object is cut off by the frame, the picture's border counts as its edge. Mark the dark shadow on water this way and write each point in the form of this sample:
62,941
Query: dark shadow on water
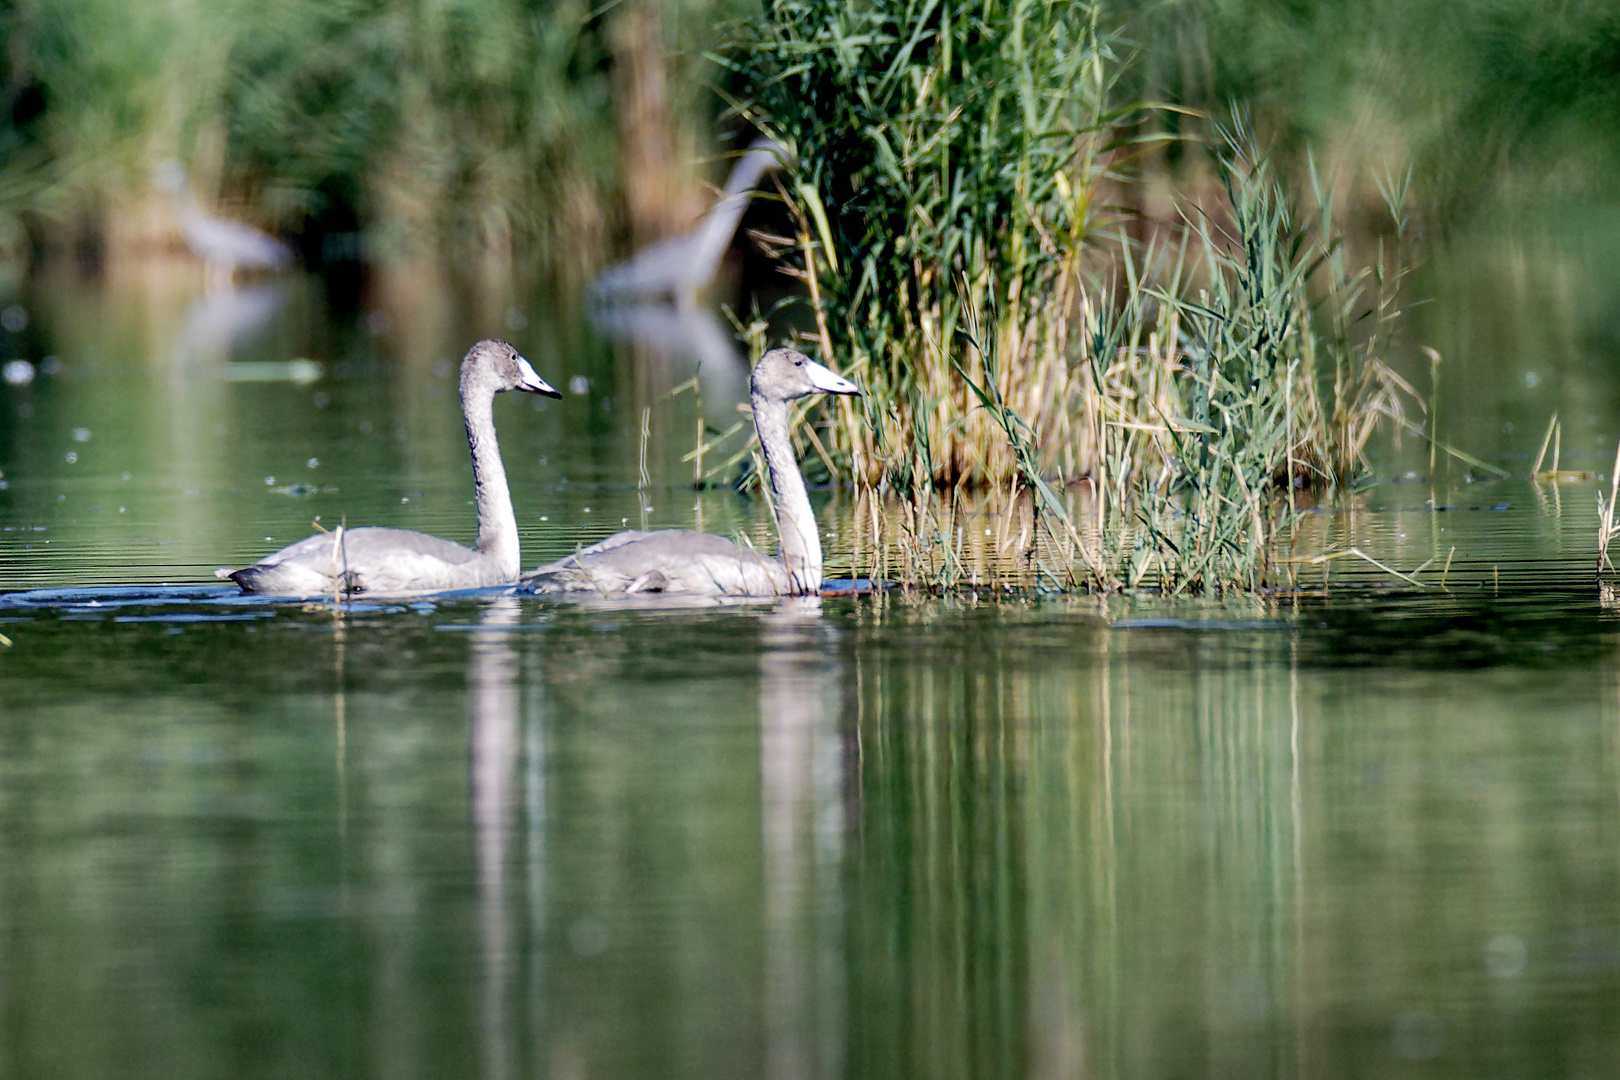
1534,628
1545,628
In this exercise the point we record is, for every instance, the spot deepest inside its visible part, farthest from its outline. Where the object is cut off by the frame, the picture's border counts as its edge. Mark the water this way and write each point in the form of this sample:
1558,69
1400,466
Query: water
1367,833
859,837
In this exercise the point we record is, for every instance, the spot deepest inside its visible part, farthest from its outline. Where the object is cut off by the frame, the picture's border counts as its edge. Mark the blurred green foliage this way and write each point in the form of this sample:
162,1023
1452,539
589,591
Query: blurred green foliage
490,120
482,120
1493,102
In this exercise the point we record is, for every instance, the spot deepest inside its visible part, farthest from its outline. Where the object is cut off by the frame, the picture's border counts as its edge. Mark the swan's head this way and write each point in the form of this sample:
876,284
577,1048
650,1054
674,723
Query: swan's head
785,374
496,366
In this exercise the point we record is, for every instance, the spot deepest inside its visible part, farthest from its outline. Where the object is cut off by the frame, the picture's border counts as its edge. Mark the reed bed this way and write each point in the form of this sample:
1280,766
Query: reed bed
959,262
947,159
1255,379
1189,387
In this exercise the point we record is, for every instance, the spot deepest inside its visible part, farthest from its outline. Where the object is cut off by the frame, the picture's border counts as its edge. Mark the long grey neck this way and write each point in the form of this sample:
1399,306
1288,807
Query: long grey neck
719,225
800,551
186,207
497,524
184,201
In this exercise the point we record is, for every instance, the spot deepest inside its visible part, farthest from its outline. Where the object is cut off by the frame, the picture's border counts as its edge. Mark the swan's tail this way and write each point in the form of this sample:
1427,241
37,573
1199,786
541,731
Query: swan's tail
569,575
549,580
252,579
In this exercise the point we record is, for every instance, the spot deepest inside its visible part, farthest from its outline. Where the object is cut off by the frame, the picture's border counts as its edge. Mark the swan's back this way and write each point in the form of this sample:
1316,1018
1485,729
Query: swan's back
667,561
386,562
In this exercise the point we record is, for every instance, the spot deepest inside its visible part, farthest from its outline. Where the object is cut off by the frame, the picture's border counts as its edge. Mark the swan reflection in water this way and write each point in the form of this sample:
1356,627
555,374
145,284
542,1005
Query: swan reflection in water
218,323
685,341
802,818
802,784
196,396
494,712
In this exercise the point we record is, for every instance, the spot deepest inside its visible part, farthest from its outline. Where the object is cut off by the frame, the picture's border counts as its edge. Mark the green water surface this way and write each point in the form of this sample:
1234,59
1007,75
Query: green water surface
1372,833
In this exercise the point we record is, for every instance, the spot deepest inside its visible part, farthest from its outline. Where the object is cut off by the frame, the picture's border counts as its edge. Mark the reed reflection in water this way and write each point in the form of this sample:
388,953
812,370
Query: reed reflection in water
493,730
1152,854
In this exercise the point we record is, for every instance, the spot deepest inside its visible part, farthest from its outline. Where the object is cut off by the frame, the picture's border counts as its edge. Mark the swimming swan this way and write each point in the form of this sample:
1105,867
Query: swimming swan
676,561
399,561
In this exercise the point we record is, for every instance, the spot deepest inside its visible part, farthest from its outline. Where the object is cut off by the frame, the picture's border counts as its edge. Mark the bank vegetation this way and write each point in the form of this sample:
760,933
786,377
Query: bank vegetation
1161,393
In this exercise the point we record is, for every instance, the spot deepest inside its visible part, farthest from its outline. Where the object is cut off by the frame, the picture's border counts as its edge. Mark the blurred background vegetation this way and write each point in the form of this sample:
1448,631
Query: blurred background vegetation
1494,104
500,128
550,130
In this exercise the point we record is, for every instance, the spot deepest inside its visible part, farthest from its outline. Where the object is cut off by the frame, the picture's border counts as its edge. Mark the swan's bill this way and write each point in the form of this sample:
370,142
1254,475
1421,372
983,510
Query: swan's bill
534,384
828,382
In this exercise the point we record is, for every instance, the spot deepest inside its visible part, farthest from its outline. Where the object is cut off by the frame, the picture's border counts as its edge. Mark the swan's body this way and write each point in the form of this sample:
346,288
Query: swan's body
665,561
377,562
223,244
677,267
675,561
394,562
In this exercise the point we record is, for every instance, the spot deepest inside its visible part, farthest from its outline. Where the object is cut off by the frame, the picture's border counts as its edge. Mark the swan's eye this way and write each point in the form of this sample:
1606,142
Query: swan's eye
798,363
